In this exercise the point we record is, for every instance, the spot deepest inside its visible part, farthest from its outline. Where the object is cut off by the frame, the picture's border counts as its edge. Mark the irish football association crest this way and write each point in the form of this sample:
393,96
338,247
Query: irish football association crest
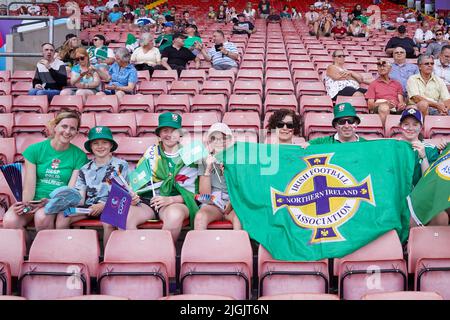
323,197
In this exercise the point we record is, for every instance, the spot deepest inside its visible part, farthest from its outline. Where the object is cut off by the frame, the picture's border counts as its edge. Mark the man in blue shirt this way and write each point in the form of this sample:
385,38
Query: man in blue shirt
115,16
401,70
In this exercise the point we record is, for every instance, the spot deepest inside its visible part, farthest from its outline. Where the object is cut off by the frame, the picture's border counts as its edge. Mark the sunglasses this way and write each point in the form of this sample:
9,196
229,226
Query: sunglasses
95,39
80,58
340,56
439,34
428,63
399,52
382,64
343,121
281,124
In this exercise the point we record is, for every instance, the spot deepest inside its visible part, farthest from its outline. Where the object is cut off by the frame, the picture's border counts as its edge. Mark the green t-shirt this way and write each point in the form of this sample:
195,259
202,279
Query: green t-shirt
53,168
432,154
364,19
138,11
189,42
328,140
164,41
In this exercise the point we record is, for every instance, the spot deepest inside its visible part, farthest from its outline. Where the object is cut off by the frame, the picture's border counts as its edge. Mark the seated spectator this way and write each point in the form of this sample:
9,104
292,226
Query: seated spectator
326,25
192,38
249,12
340,81
185,21
34,9
109,5
221,15
50,76
412,50
99,54
173,200
23,11
165,39
401,70
142,18
44,12
88,8
100,8
115,16
406,16
423,35
243,26
312,17
67,51
92,178
146,57
140,6
447,34
364,18
211,13
273,17
345,122
357,10
128,15
435,47
122,75
385,95
440,25
284,124
264,9
357,29
177,56
223,55
285,13
83,78
296,14
344,15
428,91
49,164
339,31
386,25
212,181
442,65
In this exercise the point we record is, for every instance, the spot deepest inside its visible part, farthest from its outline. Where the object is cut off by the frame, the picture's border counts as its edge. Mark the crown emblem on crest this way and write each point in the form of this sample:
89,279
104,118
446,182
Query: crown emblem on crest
98,129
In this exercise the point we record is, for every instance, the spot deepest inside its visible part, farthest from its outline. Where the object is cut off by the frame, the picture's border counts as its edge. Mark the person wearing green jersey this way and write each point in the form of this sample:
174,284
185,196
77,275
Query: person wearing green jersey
49,164
166,37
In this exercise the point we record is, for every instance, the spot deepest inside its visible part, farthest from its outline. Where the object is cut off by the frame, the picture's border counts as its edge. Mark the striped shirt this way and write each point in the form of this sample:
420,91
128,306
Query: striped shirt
218,57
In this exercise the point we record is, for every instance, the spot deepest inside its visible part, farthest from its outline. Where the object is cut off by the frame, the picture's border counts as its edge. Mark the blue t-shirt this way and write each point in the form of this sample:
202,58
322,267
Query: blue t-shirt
122,76
115,16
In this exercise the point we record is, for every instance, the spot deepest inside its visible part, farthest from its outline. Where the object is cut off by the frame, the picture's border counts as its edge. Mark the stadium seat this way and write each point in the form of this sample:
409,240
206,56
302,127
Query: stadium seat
248,87
165,75
245,125
21,88
277,66
6,123
301,296
60,264
278,75
22,143
392,126
21,76
184,87
437,126
318,124
27,103
278,86
136,102
123,124
8,150
216,262
5,103
251,65
208,102
146,124
288,277
87,122
5,75
376,267
250,102
143,75
12,253
137,264
403,295
370,126
66,102
166,102
429,259
216,87
315,104
199,122
5,88
358,102
152,87
101,104
312,88
244,74
193,75
306,75
221,75
133,148
277,101
90,297
196,297
31,124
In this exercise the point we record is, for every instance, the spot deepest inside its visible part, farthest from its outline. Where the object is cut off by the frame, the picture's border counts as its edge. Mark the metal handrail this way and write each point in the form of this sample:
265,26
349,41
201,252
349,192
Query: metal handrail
51,26
37,2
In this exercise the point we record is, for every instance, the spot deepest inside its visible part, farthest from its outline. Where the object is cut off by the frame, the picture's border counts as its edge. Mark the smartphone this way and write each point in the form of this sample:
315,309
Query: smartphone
218,47
35,202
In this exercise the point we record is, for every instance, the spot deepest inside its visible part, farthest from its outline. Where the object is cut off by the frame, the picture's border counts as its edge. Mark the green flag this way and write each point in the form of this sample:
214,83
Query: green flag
193,152
432,193
325,201
140,176
132,42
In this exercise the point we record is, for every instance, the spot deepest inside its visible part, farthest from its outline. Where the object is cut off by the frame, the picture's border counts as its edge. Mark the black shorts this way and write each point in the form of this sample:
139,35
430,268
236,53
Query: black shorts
348,92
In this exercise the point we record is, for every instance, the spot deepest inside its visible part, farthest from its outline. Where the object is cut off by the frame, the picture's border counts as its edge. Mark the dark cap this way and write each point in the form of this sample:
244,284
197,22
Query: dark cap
178,35
70,36
192,26
401,29
101,37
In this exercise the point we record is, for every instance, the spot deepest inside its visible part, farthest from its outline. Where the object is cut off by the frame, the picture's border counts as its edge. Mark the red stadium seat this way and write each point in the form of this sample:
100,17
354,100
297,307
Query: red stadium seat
165,75
245,125
301,296
8,150
288,277
316,104
437,126
312,88
22,143
30,104
359,102
277,65
199,122
245,102
225,75
6,123
143,75
20,88
251,65
392,126
136,102
5,104
5,88
278,75
370,126
133,148
5,76
277,101
276,86
21,75
306,75
152,87
172,103
35,124
216,87
90,297
87,122
123,124
193,75
429,259
146,123
184,87
244,74
403,295
138,264
209,102
248,87
66,102
102,103
60,264
12,253
196,297
316,124
216,262
383,256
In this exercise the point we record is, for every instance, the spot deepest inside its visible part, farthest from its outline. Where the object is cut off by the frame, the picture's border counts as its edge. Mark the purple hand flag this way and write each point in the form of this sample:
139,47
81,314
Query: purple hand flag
117,207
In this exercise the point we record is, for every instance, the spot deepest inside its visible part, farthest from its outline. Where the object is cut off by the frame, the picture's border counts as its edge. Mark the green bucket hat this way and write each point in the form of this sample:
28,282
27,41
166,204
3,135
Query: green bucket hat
344,109
100,133
168,119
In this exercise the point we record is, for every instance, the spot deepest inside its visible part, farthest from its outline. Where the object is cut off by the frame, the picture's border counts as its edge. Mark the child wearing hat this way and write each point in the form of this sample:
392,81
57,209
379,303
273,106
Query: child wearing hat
212,181
170,196
92,181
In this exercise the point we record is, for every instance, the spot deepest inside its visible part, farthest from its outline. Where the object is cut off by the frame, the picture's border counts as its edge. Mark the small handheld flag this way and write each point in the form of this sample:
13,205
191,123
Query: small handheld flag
13,176
117,206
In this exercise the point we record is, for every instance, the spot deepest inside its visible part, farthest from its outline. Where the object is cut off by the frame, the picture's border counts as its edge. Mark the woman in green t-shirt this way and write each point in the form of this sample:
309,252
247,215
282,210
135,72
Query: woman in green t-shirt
49,164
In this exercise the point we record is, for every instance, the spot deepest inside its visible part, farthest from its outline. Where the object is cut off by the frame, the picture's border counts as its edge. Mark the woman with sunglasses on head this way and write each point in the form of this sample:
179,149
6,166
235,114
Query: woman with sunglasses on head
212,184
84,78
341,82
286,124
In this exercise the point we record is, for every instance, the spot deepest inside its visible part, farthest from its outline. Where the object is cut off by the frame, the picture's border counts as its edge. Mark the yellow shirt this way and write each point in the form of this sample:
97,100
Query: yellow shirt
434,90
151,58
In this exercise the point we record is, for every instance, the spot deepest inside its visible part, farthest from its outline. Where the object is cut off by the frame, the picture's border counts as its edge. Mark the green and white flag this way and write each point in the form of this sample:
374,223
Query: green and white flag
140,176
325,201
132,42
432,193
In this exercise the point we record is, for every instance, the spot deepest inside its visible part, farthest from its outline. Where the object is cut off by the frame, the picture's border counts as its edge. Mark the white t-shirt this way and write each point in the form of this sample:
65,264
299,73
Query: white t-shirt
423,36
110,4
152,57
34,10
249,14
88,9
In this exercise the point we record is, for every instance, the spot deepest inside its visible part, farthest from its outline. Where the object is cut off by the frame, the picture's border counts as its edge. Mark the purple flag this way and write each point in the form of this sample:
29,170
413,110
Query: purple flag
117,207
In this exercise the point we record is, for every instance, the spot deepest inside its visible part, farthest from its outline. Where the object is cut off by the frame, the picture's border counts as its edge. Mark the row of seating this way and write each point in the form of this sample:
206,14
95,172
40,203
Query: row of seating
140,264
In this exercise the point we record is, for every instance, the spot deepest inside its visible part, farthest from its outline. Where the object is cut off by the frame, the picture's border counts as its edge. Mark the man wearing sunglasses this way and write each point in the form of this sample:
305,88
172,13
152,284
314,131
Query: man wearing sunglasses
435,47
427,91
345,122
99,53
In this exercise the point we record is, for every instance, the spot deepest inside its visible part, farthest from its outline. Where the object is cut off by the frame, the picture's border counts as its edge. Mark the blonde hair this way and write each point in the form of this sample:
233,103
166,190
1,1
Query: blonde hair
63,114
83,52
